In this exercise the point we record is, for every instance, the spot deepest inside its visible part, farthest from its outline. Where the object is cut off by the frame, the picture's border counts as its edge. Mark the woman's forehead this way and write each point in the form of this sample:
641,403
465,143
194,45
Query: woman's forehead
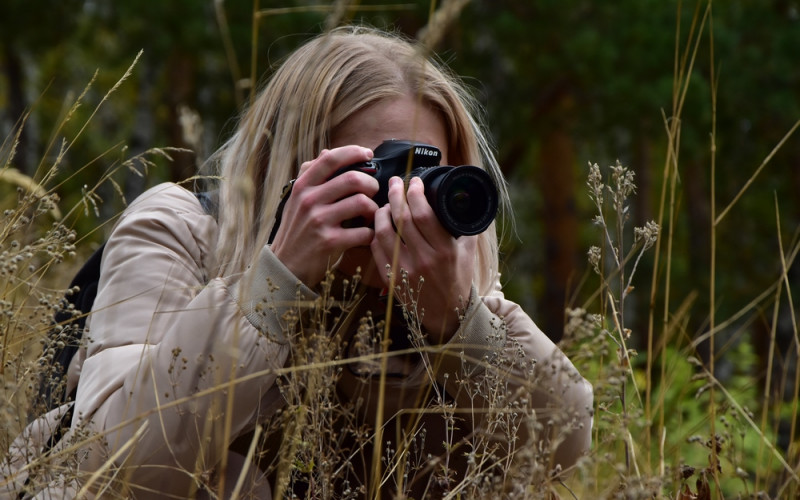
401,117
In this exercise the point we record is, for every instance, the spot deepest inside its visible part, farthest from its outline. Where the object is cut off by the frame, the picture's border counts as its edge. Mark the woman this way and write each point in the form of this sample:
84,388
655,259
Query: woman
202,324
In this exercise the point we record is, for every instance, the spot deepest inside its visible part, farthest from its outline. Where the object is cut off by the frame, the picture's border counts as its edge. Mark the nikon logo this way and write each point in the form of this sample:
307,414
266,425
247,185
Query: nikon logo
425,151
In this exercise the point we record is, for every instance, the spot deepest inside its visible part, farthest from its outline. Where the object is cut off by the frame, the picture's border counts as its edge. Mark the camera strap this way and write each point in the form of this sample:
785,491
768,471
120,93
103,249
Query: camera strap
287,190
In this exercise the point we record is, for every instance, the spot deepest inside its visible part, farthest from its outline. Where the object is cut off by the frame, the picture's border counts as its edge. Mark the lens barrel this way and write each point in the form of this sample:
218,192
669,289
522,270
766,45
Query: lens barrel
464,198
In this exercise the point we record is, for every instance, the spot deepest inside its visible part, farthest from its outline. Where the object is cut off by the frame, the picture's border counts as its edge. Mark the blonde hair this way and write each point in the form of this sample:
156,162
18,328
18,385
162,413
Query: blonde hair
314,91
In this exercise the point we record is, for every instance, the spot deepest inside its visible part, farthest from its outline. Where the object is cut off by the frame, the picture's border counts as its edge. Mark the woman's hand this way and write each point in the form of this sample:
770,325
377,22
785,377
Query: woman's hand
424,250
311,238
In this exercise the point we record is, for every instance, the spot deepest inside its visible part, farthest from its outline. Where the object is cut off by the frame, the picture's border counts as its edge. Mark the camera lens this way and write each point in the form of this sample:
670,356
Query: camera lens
464,198
461,198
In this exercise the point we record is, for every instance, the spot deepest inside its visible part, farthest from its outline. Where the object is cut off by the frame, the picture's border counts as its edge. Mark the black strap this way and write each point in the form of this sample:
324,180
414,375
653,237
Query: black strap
209,201
287,190
69,335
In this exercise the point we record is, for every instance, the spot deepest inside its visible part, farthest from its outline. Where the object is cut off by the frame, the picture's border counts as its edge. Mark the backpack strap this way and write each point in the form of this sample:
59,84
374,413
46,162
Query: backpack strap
209,200
51,387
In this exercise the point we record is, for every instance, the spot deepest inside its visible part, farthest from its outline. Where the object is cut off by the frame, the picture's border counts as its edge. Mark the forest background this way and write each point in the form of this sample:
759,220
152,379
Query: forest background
701,103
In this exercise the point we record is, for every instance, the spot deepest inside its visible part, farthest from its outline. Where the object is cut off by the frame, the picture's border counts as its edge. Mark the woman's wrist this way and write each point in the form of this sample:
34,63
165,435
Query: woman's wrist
442,326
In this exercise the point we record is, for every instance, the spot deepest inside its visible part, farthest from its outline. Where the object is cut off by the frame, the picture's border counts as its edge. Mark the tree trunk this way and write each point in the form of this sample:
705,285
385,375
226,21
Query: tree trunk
181,77
556,181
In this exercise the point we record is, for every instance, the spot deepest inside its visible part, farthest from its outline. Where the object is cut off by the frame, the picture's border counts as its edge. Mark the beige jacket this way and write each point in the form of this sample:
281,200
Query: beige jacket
178,364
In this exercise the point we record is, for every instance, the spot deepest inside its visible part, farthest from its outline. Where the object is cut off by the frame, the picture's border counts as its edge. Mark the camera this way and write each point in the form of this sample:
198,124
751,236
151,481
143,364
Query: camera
464,198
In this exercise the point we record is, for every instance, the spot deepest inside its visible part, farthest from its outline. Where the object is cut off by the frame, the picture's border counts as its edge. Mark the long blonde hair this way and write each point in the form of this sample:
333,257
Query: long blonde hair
315,90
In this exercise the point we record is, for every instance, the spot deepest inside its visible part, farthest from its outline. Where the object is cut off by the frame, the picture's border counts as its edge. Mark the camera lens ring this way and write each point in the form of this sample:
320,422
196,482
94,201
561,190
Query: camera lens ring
464,198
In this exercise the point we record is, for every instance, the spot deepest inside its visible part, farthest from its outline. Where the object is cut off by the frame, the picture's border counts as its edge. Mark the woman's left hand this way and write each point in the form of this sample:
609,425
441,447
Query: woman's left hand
425,250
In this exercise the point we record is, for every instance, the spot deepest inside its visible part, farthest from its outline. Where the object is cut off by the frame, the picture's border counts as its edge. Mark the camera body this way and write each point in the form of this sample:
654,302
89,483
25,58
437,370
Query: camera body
464,198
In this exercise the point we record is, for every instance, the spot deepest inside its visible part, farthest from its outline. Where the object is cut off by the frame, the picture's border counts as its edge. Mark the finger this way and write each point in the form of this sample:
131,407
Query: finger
385,232
314,187
425,220
319,170
357,205
348,238
390,242
388,250
381,259
350,183
307,164
401,213
320,233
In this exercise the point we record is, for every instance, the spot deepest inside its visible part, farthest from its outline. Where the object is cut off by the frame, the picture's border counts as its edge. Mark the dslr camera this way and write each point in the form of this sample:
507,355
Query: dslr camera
464,198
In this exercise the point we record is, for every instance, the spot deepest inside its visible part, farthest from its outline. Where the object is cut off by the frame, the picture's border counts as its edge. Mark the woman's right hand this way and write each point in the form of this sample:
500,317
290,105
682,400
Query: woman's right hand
311,238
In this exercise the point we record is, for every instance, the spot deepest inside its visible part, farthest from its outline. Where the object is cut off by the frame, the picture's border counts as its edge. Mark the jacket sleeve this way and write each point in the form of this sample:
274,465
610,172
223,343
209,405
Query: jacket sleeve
499,358
178,365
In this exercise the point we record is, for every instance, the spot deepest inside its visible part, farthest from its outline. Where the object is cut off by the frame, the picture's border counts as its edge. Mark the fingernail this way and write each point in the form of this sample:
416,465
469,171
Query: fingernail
369,153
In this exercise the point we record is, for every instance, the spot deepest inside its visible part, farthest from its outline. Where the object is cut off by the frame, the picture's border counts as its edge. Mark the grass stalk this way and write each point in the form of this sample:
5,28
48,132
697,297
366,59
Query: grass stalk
792,451
766,405
713,257
683,67
755,174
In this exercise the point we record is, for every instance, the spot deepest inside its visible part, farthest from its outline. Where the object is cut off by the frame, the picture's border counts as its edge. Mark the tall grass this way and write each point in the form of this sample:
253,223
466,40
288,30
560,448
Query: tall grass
39,253
665,425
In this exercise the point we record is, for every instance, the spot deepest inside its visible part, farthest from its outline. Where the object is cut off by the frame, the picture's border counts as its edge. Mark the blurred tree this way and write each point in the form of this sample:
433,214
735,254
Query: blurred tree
20,48
564,83
585,82
569,83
